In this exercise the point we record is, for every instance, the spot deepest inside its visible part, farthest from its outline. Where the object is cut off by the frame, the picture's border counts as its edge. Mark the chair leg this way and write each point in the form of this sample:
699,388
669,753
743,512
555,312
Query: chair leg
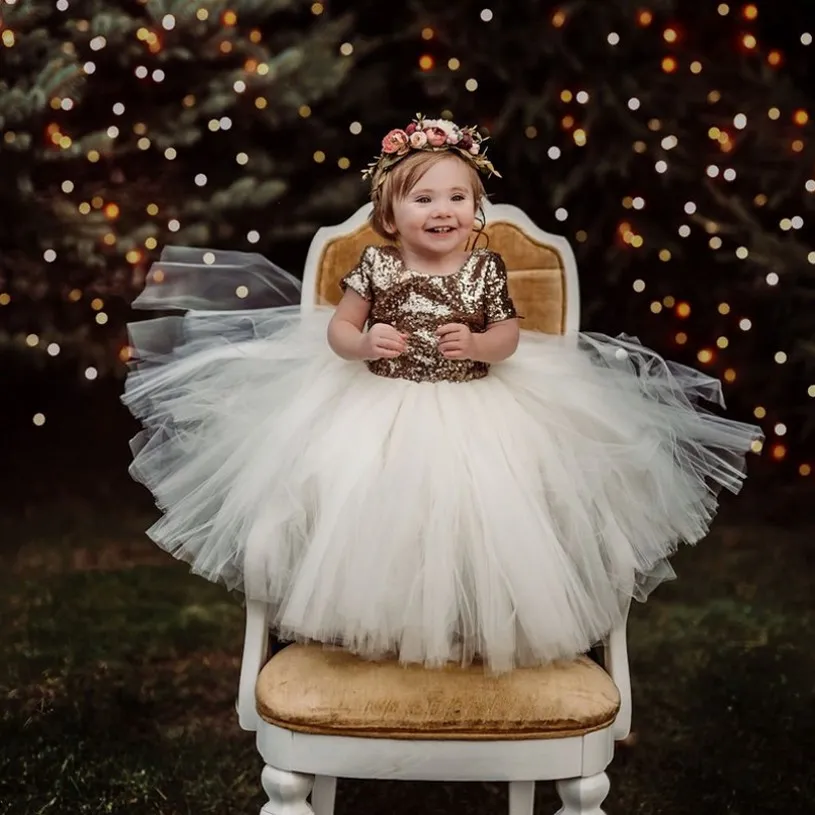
521,797
287,792
583,796
323,795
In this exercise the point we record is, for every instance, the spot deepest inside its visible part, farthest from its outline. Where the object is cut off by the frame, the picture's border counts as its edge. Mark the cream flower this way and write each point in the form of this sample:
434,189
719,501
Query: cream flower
444,125
418,139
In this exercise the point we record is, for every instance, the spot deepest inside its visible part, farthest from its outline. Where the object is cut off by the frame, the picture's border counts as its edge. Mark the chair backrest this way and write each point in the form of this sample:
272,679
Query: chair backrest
541,267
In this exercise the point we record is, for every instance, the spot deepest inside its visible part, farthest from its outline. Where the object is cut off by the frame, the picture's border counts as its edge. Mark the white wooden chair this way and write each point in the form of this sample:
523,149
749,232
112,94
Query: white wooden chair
322,714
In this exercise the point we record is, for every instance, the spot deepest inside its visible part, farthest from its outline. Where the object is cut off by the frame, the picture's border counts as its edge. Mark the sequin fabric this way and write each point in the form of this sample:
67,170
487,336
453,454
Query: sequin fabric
417,304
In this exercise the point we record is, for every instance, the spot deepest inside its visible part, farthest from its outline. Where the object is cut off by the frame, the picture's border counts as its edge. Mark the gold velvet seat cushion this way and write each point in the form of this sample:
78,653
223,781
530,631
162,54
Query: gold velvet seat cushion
311,689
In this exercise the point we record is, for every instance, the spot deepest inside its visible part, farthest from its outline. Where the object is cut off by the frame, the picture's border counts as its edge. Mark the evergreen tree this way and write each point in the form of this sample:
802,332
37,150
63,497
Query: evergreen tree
126,125
669,142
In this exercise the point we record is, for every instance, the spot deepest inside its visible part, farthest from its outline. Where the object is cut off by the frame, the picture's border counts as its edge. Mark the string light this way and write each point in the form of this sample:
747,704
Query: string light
669,65
721,150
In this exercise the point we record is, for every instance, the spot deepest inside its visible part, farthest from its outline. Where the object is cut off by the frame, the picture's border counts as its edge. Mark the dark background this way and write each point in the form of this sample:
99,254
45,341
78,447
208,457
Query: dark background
118,667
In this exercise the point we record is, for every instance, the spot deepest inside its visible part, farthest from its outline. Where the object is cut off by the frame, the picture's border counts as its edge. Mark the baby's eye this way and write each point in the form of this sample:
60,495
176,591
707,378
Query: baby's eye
459,197
423,199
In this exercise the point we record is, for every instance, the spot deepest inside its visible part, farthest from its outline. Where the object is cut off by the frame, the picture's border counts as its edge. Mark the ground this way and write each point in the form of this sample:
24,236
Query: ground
118,669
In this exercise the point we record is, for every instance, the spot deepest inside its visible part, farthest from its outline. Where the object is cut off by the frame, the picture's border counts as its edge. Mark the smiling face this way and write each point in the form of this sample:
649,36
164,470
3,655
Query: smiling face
435,217
421,186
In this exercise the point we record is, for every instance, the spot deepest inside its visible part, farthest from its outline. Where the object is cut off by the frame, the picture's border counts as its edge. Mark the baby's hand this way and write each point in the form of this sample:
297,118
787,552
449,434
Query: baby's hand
456,341
383,341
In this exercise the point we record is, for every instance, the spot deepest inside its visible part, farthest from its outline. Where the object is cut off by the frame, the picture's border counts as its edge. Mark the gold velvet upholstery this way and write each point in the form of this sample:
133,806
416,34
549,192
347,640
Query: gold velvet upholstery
328,691
535,271
311,689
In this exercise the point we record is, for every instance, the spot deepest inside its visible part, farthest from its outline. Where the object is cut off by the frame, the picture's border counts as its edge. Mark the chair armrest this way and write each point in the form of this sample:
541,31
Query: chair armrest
255,650
615,659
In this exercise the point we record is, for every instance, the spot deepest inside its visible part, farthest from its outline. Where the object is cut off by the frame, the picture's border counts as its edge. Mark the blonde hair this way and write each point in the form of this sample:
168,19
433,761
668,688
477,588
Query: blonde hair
400,179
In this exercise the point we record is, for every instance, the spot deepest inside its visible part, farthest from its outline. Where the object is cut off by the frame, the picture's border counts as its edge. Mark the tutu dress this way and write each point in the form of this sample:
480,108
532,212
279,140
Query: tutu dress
435,509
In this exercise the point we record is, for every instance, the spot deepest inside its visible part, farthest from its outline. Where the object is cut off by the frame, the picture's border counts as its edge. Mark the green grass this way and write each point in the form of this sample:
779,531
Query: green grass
117,691
118,674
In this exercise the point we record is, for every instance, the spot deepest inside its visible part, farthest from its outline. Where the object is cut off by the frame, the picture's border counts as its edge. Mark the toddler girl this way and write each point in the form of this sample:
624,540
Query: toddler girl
410,473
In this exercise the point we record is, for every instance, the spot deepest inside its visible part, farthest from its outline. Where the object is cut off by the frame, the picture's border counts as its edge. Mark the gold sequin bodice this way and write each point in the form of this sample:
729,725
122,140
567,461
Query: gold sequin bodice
417,304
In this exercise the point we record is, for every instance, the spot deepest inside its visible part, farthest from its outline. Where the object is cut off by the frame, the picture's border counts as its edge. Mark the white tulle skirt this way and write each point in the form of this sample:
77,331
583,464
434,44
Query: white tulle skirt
510,517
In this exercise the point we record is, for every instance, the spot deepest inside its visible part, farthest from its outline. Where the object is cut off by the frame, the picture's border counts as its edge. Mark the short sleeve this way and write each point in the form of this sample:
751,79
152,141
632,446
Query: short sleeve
359,278
498,303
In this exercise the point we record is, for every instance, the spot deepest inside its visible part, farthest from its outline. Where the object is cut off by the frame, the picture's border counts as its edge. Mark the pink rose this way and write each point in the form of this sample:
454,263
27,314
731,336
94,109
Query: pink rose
395,142
436,137
418,140
475,149
411,129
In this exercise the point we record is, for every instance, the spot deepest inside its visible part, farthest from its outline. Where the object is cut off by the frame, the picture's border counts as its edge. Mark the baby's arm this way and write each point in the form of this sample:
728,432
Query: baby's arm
345,331
500,339
498,342
347,337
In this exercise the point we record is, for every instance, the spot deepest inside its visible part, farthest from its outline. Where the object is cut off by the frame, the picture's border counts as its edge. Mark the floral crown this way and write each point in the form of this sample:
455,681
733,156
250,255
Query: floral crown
429,135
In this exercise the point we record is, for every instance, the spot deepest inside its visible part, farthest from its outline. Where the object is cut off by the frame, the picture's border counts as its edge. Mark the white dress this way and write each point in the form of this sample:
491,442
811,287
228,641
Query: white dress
440,510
